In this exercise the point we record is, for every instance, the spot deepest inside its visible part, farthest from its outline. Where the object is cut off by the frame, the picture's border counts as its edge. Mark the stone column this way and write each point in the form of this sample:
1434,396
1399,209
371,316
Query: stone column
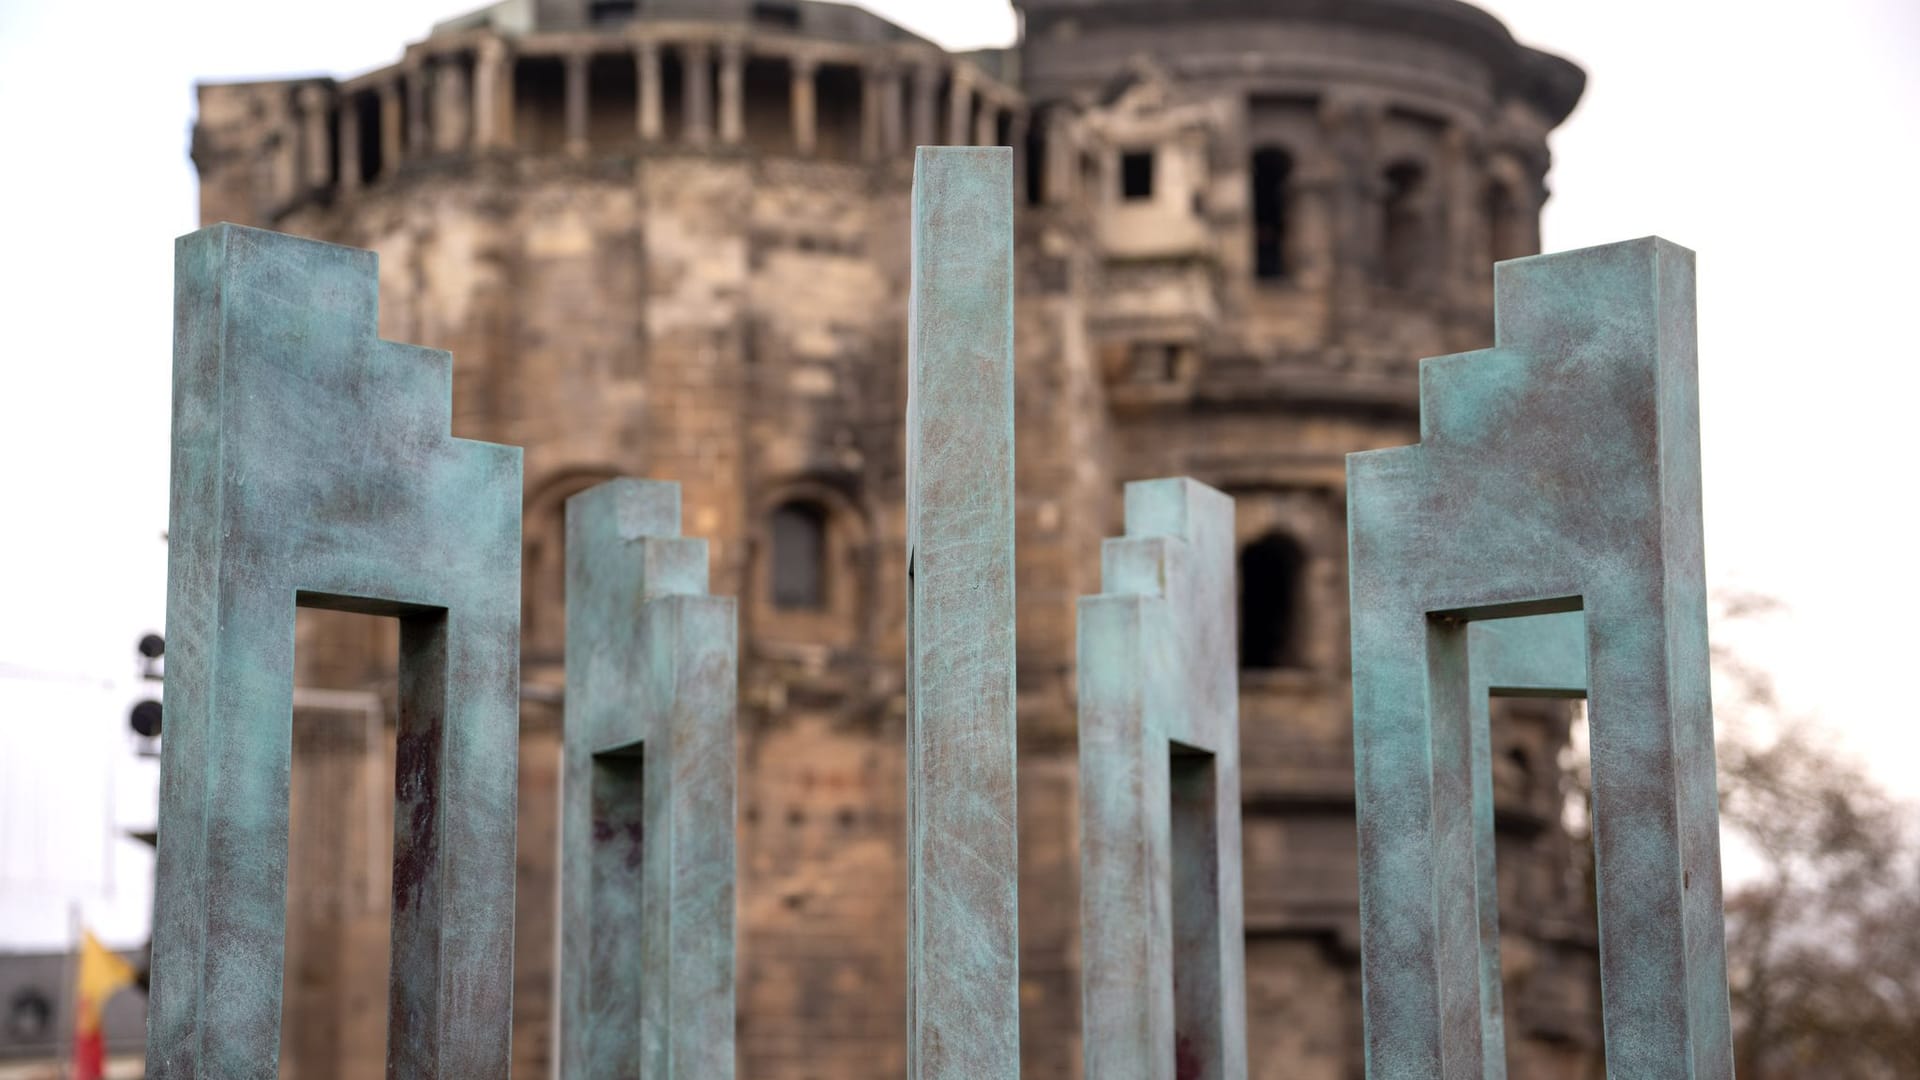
986,126
1461,234
893,118
417,110
869,114
1351,131
452,100
696,69
646,63
391,144
733,63
490,70
1062,172
1309,209
926,101
1017,137
349,144
316,169
576,64
1533,198
805,109
960,107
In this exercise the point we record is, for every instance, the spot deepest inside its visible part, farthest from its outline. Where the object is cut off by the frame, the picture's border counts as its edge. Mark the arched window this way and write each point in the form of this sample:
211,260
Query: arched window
799,576
1271,595
1272,173
1402,226
1505,237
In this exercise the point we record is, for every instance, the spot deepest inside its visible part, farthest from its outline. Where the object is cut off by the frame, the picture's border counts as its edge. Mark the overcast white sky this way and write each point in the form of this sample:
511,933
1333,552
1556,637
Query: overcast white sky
1779,140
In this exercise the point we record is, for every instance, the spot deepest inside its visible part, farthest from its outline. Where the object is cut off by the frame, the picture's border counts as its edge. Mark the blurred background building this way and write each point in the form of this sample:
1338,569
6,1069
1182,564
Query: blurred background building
668,238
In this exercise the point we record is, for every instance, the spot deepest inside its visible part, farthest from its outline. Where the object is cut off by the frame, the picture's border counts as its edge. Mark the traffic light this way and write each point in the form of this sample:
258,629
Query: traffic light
145,717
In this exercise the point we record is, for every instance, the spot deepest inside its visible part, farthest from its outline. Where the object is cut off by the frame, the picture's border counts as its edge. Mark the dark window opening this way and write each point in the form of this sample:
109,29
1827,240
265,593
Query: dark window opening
367,108
1272,173
1402,228
777,14
601,12
1161,362
540,104
29,1016
1036,162
613,89
1136,175
1271,570
838,121
767,104
800,557
673,94
334,176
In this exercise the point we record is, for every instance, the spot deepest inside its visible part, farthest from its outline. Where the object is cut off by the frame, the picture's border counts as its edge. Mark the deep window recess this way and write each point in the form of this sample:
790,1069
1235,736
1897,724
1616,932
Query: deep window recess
1402,240
777,14
1271,570
1272,172
1136,175
799,556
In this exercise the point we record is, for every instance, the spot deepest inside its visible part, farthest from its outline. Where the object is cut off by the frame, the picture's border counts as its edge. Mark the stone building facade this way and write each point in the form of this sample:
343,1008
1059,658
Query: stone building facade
668,238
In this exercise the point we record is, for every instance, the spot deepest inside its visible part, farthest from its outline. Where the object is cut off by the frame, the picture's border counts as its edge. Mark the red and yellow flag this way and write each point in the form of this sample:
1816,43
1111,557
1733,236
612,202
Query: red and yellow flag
101,973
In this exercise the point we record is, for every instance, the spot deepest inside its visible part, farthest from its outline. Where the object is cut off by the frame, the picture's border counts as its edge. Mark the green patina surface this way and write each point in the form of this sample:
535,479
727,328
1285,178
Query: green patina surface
1558,471
312,465
1163,961
963,999
647,882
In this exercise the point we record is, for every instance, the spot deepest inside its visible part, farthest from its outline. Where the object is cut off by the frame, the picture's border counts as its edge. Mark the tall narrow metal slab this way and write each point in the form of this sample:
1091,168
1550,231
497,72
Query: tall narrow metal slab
1528,656
647,879
1163,965
1558,471
312,465
963,1004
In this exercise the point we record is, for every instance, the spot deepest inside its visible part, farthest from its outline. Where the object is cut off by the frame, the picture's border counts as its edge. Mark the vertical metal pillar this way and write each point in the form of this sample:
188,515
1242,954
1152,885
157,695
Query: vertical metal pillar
963,943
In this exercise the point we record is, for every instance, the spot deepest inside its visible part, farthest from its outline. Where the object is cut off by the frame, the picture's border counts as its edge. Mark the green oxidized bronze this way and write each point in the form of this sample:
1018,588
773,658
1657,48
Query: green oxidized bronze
1160,795
647,834
1558,471
312,466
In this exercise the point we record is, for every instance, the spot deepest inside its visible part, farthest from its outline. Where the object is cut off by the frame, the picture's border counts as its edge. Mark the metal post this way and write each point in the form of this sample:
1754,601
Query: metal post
962,867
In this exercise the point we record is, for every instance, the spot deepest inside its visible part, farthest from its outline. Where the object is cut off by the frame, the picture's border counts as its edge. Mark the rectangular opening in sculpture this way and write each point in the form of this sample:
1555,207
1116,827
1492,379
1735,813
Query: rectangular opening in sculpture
619,848
339,846
1194,849
1504,744
1543,872
411,923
